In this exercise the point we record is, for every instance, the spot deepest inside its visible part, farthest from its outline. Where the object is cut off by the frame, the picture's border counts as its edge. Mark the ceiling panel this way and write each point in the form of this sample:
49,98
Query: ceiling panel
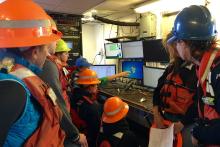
69,6
117,5
117,9
111,9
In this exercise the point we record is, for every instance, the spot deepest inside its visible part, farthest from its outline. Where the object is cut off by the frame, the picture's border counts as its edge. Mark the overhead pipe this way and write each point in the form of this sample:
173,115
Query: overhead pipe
119,23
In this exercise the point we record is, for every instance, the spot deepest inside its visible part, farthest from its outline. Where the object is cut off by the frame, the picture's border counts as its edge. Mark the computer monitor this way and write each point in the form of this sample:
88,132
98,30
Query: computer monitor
69,44
132,49
151,76
154,51
104,70
134,67
113,50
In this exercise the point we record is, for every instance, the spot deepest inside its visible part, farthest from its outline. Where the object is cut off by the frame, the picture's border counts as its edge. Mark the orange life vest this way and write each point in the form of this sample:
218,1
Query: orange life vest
208,62
49,132
62,78
175,95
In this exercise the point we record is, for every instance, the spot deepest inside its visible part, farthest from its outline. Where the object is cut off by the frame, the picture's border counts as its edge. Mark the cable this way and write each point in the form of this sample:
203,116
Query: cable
119,23
101,59
95,58
110,32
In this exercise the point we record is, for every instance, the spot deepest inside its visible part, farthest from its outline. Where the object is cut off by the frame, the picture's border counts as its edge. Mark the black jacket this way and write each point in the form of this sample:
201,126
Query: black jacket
128,139
90,113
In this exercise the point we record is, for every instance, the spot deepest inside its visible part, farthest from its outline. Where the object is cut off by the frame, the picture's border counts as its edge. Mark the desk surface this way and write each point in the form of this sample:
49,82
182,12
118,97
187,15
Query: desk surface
132,97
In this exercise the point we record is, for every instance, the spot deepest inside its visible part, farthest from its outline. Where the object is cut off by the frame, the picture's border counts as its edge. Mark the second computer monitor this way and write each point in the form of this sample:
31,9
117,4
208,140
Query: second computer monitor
133,49
154,51
135,68
104,70
152,75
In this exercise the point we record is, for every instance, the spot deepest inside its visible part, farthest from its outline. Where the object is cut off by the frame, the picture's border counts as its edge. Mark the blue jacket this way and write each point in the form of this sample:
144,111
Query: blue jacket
29,119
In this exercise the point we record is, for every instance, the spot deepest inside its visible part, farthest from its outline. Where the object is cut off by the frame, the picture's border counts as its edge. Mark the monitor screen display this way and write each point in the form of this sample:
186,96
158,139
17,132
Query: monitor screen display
135,69
113,50
132,49
154,51
69,44
104,70
151,76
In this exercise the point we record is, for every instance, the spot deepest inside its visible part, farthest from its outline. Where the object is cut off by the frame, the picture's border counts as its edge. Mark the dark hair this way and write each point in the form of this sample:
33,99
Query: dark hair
58,53
200,44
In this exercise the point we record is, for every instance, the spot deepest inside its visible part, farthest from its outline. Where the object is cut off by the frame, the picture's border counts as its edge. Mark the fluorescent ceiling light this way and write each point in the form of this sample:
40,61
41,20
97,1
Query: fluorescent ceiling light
88,16
167,5
87,19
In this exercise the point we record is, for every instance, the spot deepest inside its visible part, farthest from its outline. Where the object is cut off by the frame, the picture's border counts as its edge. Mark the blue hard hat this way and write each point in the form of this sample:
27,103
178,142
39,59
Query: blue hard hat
194,23
82,62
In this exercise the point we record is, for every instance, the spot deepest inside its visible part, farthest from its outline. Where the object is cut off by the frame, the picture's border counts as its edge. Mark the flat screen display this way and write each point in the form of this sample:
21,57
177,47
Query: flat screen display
135,68
69,44
154,51
113,50
151,76
104,70
132,49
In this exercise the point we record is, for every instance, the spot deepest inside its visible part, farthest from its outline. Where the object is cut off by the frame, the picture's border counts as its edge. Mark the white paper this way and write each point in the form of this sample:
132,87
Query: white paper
161,137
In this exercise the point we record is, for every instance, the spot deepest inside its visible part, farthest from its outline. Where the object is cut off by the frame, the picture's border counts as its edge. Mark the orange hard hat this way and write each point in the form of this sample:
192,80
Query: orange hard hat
114,110
24,23
87,77
178,142
54,27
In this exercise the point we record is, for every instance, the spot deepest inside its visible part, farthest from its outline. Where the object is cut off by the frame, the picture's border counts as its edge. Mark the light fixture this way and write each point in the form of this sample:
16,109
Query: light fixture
88,16
167,5
85,18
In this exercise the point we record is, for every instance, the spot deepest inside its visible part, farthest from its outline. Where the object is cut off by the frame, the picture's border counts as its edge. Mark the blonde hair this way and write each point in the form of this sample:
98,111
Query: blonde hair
7,63
170,48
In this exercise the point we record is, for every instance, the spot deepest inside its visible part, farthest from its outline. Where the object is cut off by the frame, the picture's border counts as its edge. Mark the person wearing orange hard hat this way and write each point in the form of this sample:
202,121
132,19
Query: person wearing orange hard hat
84,102
114,130
29,107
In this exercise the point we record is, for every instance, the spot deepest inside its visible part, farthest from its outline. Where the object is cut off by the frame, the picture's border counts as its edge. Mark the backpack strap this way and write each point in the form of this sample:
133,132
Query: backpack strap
208,66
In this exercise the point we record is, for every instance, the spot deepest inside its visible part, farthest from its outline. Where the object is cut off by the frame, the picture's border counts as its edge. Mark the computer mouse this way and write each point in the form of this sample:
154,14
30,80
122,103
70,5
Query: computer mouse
142,99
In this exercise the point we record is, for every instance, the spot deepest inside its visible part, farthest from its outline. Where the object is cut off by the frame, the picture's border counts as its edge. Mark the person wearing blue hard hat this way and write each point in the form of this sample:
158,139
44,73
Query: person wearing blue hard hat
195,34
174,98
82,62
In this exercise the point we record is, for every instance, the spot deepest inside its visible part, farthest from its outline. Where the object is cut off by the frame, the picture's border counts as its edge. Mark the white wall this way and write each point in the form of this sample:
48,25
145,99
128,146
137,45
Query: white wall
93,38
88,39
213,6
94,35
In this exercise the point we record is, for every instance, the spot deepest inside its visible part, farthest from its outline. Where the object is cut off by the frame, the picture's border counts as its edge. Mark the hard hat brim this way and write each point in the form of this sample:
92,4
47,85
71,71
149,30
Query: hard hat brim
26,42
171,40
88,82
118,116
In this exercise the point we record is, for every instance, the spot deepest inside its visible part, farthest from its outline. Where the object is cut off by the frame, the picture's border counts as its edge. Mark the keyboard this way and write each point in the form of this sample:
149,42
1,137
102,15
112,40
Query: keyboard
137,97
114,85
